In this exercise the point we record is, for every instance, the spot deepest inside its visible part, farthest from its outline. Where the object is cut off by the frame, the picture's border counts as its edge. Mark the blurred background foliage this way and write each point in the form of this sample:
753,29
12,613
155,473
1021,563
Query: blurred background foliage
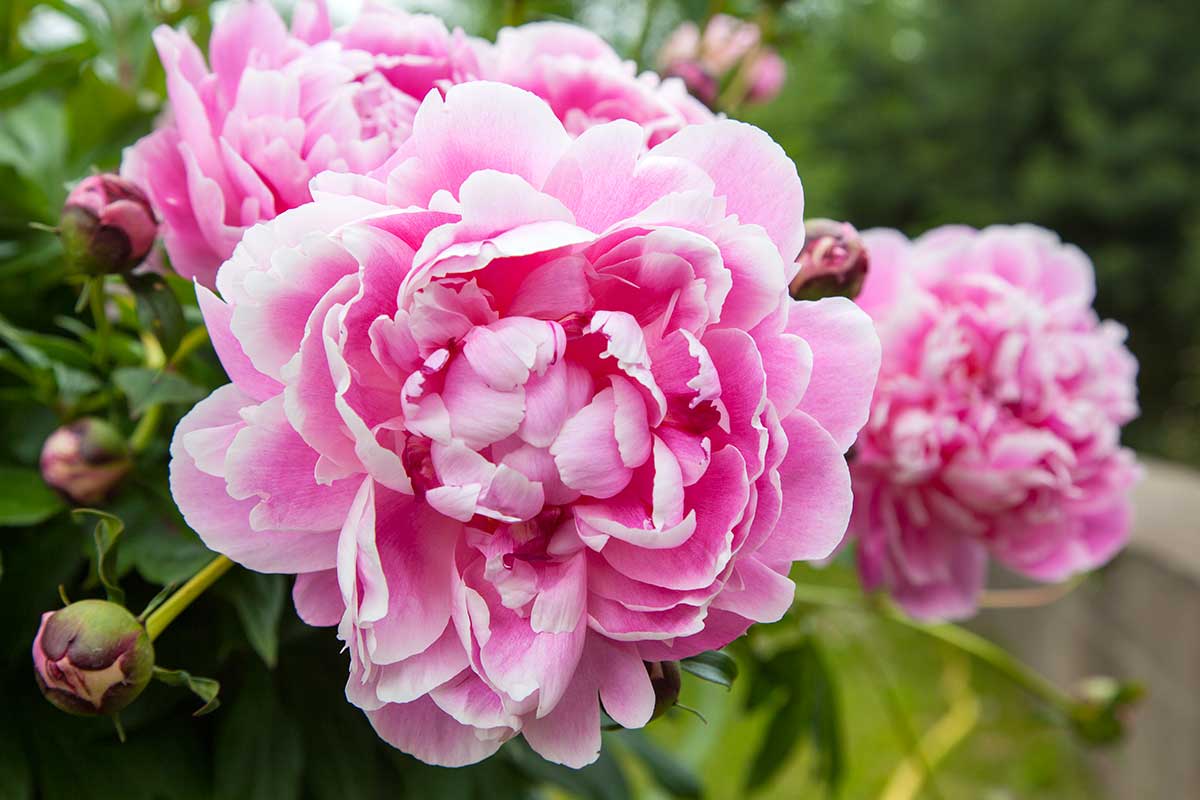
1080,116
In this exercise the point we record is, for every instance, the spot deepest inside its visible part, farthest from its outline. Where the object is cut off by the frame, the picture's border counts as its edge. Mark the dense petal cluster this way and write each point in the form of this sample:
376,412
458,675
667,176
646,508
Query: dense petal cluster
525,411
996,422
586,82
243,139
274,107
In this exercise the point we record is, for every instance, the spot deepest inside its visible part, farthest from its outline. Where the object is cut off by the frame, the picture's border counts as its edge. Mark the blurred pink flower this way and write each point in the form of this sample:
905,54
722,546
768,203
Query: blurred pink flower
768,71
704,62
525,412
586,82
241,141
995,426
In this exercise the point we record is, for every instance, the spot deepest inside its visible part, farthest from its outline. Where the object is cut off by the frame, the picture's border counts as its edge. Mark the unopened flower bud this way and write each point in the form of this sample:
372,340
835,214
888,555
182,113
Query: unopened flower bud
833,262
92,657
1103,708
85,460
666,680
107,226
767,74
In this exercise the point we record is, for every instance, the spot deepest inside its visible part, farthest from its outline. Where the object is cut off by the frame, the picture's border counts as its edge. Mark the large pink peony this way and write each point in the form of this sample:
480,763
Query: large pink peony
242,140
996,421
586,82
525,411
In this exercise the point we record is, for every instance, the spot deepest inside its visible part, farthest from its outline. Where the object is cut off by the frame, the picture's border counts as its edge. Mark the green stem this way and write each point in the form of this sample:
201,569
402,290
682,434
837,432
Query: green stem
103,330
174,605
143,434
971,643
192,341
639,47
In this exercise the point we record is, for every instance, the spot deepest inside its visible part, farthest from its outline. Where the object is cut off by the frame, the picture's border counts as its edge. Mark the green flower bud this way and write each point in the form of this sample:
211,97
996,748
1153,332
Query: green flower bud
92,657
666,680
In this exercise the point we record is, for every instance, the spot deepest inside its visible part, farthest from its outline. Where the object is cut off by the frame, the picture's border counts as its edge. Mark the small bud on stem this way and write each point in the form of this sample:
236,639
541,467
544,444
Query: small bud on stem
92,657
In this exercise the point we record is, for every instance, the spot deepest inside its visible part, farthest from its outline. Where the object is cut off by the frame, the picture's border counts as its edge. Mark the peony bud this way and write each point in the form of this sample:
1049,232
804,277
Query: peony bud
666,680
833,262
92,657
767,72
107,225
85,460
1102,711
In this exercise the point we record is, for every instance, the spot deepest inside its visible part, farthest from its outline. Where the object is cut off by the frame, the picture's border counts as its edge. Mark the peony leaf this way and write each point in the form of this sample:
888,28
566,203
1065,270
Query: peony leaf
714,666
158,309
108,531
809,712
259,753
204,688
146,387
259,600
24,497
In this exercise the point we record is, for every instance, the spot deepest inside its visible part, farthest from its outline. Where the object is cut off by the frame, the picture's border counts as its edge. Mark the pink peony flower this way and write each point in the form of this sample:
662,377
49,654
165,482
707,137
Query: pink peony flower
705,61
996,421
525,412
242,140
586,82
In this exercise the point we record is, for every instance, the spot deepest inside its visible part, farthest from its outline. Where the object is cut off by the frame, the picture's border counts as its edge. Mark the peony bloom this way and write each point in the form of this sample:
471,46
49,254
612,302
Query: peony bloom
526,411
995,425
242,141
706,61
586,82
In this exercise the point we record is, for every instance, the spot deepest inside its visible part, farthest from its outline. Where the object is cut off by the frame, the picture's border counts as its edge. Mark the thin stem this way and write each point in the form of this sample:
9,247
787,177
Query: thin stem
974,645
192,340
143,433
174,605
1028,598
639,47
95,291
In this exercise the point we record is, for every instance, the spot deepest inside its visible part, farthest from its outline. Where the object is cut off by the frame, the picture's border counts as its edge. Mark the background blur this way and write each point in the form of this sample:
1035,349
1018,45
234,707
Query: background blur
1078,115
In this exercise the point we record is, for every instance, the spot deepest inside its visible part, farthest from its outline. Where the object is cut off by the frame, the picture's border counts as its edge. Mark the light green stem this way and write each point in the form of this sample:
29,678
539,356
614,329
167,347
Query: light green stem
100,317
143,434
174,605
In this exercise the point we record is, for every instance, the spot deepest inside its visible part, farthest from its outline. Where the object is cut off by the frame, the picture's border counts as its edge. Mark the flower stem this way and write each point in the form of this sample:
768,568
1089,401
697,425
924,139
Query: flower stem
95,292
174,605
143,434
970,643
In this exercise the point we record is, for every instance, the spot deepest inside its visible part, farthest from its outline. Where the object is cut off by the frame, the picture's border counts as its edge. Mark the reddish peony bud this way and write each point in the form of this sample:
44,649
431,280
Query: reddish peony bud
92,657
833,262
85,460
666,680
107,226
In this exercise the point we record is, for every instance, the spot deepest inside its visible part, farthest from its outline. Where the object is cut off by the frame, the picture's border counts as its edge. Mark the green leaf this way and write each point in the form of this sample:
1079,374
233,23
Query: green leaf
206,689
16,778
714,666
163,555
158,310
809,713
602,780
667,771
108,531
25,499
146,387
259,752
259,600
